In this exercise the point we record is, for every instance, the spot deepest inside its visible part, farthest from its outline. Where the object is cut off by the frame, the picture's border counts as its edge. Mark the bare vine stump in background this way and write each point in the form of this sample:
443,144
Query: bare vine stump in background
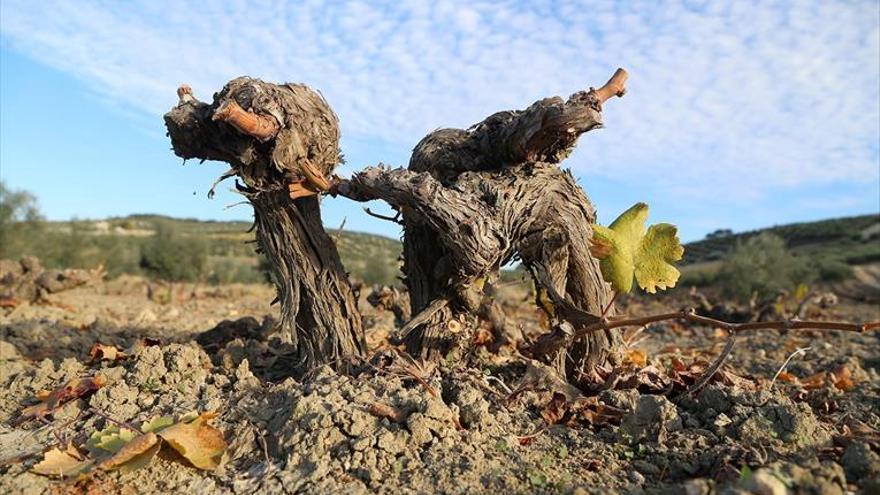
282,140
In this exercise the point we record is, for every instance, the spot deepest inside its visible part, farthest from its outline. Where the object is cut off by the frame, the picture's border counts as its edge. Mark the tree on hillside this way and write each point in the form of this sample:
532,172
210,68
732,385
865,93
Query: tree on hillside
763,266
172,257
19,219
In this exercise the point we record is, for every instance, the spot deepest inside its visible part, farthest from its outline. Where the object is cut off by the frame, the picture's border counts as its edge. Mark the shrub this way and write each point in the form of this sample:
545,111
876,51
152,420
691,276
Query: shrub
832,269
764,265
172,257
698,278
20,221
226,270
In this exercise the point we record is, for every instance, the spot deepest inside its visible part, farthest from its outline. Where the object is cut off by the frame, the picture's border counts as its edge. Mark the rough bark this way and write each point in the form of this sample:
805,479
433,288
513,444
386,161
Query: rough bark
473,200
274,136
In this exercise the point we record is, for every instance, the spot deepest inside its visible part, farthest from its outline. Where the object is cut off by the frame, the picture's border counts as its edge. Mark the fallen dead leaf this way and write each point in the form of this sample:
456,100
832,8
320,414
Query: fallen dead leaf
50,401
380,410
62,463
105,352
842,379
637,357
555,410
785,376
584,411
9,302
814,381
135,454
200,443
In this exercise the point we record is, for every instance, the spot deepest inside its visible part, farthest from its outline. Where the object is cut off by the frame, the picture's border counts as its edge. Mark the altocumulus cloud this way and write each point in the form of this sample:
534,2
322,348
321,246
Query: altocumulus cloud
752,96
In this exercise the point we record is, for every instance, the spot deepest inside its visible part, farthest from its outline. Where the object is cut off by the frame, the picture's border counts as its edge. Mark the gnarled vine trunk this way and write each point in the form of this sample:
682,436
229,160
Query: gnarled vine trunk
472,201
275,135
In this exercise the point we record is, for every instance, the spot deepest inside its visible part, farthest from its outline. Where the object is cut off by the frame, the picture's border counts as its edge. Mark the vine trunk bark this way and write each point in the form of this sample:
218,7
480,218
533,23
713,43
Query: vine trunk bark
472,201
274,136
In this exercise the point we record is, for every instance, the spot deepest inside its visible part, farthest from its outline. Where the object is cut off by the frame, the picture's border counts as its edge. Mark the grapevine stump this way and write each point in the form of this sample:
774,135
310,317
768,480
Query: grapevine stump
471,201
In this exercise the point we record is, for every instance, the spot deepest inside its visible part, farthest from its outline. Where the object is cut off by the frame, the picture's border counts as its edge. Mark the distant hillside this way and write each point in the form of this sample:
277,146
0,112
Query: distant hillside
116,243
855,240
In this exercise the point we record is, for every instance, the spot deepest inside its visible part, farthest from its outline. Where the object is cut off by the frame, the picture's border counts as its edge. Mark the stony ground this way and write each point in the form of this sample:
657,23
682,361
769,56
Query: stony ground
405,427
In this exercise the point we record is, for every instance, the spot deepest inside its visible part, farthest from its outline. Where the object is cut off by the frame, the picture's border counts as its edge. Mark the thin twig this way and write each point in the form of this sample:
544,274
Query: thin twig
630,341
500,382
121,424
395,218
336,235
608,306
233,205
423,316
714,367
799,351
690,315
533,435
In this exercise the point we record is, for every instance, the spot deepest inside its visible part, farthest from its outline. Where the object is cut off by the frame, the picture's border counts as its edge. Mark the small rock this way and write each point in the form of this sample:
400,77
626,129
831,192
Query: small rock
8,352
637,477
621,399
859,461
765,482
645,467
145,317
473,408
722,421
654,417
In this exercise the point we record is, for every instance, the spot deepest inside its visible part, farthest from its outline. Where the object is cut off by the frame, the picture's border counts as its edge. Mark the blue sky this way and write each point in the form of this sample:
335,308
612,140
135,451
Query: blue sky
739,115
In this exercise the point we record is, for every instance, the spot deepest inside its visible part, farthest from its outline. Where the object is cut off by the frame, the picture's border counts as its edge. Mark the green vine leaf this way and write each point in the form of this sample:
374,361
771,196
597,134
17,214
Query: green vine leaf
626,250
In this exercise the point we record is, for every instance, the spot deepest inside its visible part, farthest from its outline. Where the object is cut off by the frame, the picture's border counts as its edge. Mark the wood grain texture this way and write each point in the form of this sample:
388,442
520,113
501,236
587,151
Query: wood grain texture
318,309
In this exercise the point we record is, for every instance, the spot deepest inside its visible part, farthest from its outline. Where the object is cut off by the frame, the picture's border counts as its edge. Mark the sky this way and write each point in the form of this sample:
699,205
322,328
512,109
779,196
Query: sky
738,115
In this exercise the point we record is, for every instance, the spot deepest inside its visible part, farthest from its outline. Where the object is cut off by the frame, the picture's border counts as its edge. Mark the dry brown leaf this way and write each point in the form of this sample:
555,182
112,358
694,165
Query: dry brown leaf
684,375
385,411
677,364
637,357
785,376
105,352
62,463
133,455
200,443
597,413
815,381
579,412
555,410
646,379
482,337
8,302
842,379
74,389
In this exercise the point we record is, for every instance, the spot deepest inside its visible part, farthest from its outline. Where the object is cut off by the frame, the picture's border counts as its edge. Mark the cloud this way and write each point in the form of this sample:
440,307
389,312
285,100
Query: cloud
741,96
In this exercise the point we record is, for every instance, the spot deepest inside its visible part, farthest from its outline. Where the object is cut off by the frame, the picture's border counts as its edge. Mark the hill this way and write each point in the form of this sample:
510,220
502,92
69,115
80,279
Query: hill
117,243
855,240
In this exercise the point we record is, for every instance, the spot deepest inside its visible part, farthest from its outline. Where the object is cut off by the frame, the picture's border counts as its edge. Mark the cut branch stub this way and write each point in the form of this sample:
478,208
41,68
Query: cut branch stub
616,86
262,127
